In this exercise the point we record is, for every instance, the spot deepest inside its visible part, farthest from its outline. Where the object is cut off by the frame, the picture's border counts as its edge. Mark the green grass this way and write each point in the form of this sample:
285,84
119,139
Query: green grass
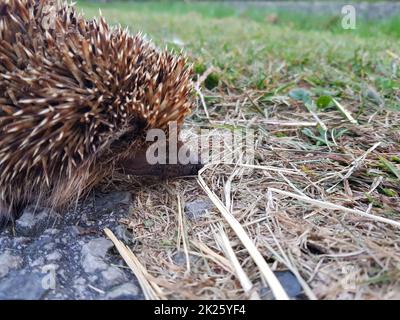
250,52
295,20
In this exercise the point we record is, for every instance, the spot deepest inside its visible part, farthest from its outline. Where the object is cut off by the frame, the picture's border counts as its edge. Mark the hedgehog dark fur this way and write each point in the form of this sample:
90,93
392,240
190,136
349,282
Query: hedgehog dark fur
76,99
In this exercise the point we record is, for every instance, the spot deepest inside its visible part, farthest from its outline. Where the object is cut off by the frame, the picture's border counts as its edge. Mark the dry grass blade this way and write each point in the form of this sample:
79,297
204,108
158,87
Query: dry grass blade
393,55
314,114
285,260
275,122
198,91
204,76
203,102
333,206
390,167
182,234
345,112
265,270
211,255
268,168
355,165
291,123
136,267
222,239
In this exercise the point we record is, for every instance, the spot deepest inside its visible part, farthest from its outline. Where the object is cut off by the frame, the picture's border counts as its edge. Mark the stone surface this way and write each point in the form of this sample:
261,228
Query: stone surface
22,286
179,258
70,257
32,223
108,201
8,262
126,291
289,283
93,254
113,276
197,209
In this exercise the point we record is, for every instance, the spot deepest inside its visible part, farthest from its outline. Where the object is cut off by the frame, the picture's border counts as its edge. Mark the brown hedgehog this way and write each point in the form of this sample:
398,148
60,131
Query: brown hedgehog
76,100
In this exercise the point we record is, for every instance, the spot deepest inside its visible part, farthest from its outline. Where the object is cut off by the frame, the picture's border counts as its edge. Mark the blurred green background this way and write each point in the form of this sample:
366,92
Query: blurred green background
318,15
276,49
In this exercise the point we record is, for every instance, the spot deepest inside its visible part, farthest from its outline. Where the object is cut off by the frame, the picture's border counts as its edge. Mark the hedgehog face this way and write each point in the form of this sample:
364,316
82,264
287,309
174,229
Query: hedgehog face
139,164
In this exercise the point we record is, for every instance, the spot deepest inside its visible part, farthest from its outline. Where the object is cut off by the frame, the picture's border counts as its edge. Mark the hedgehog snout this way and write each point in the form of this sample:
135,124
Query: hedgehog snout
137,164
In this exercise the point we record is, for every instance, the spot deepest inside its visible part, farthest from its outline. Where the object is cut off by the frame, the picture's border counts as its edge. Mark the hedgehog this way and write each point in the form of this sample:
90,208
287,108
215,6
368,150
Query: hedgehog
77,97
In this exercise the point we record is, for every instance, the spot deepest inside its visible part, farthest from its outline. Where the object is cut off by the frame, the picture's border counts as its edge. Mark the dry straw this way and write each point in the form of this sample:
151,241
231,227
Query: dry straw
265,270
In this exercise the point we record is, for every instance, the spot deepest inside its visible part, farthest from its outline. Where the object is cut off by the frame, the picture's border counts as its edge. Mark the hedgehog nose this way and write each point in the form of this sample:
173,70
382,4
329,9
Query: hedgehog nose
132,167
138,165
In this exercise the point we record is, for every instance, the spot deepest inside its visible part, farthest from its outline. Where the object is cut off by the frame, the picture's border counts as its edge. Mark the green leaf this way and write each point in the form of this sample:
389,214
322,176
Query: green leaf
395,159
319,140
212,81
389,192
300,95
199,68
390,166
338,133
386,84
324,102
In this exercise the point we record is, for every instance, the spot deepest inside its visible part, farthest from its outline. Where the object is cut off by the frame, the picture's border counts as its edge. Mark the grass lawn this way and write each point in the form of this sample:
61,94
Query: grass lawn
325,104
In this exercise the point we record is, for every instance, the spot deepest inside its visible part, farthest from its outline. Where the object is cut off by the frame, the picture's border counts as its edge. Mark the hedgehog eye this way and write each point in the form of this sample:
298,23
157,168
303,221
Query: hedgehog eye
123,141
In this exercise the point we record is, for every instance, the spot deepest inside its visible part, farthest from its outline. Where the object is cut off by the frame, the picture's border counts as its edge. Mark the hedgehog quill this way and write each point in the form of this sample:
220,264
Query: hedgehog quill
76,100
